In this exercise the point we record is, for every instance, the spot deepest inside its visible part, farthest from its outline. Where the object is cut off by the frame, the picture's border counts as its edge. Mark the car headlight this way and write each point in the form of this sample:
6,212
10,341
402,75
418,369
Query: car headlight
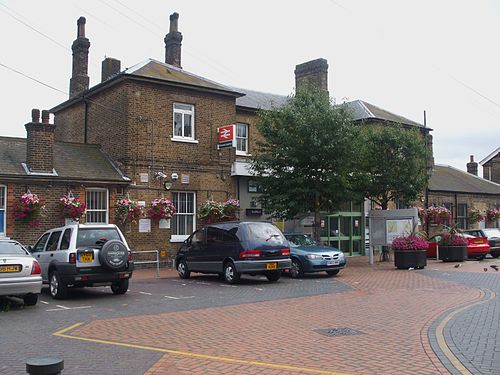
341,256
314,256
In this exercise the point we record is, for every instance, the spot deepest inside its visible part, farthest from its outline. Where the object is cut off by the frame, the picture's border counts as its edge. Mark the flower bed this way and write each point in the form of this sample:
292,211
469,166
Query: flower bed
28,208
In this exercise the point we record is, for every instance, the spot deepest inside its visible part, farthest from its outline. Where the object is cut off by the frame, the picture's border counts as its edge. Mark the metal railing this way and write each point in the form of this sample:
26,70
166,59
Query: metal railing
157,261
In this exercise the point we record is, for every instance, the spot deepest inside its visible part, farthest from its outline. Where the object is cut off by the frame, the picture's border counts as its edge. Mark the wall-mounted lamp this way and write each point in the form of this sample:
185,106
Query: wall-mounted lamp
167,185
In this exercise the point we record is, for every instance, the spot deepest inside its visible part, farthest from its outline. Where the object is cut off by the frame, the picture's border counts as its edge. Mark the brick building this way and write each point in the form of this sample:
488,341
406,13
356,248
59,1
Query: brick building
491,166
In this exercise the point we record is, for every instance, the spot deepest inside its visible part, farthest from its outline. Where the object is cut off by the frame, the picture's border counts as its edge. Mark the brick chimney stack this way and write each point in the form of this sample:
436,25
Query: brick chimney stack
472,166
313,74
79,81
40,143
109,68
173,41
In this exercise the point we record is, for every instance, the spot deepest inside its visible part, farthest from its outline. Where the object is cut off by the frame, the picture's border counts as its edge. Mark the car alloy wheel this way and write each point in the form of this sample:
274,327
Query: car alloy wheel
183,270
54,285
230,274
57,289
296,269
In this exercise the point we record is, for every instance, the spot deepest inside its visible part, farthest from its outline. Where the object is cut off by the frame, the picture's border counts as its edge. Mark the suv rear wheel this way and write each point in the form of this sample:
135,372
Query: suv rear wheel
230,274
57,289
273,276
120,287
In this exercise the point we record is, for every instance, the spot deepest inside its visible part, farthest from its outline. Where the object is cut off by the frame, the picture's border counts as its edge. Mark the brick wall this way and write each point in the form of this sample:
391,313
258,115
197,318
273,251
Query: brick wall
491,170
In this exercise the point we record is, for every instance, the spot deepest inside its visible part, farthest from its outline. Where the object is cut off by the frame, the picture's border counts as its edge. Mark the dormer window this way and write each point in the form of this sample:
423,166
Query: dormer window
183,127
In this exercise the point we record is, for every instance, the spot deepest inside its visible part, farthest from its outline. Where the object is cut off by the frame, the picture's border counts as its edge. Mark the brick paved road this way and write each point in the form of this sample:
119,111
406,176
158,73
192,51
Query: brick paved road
202,326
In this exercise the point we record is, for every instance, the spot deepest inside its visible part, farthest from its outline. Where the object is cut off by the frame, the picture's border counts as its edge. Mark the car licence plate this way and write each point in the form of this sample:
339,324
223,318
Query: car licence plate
10,268
271,266
332,263
87,257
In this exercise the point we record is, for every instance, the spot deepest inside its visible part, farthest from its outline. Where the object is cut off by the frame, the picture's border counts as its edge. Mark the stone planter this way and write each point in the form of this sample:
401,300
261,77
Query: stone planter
404,259
452,253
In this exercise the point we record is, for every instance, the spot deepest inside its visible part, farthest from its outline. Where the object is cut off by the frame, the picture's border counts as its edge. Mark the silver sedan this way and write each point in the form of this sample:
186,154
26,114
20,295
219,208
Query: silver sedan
20,273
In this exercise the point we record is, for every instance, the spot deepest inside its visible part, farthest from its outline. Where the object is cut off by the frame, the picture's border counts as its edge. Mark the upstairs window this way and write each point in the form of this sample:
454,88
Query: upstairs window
241,139
183,122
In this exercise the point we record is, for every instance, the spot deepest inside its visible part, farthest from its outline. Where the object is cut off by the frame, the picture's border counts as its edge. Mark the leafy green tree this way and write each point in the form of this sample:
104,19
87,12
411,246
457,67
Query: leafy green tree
304,163
392,163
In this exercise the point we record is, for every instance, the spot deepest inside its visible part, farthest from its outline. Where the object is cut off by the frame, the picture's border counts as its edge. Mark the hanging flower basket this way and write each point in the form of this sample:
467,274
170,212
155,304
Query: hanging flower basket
438,215
128,211
492,214
71,208
475,216
161,208
215,212
422,214
28,208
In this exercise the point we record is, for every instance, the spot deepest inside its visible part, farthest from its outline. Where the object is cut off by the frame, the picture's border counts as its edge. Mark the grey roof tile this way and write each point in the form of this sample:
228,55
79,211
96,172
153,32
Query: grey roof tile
446,178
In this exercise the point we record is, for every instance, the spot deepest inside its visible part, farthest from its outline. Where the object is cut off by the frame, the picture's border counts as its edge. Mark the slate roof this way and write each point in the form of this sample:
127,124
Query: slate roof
72,161
490,156
366,111
446,178
259,100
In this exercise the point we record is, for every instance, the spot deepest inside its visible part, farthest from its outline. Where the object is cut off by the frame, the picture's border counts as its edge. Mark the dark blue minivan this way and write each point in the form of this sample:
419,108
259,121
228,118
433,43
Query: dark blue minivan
234,248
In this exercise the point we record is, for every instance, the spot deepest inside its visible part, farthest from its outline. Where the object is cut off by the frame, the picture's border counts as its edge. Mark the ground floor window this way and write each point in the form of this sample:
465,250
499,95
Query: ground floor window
97,206
462,220
3,200
184,220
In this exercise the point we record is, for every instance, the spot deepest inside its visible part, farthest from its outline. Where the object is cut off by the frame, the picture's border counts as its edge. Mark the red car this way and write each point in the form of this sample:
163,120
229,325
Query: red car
477,247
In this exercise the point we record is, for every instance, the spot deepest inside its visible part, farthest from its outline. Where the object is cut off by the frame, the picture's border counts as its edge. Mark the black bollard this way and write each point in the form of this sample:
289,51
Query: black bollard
44,366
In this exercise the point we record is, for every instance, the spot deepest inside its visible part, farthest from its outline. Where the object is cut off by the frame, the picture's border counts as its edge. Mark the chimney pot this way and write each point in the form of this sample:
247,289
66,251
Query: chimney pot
472,166
81,27
174,22
472,158
45,116
79,81
35,115
173,43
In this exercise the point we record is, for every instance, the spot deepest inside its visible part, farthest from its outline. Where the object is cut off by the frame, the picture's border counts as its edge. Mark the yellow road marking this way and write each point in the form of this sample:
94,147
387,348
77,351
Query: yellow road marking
442,343
62,333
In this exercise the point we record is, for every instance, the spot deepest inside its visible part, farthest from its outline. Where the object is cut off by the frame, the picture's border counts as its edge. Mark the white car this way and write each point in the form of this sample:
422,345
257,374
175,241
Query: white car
20,274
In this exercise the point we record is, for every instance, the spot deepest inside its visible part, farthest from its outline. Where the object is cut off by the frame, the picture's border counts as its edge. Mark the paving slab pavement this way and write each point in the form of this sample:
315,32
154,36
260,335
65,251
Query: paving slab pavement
393,312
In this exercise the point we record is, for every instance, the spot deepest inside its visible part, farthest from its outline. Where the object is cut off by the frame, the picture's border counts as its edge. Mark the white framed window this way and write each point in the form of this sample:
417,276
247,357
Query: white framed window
3,209
241,139
183,125
184,220
96,200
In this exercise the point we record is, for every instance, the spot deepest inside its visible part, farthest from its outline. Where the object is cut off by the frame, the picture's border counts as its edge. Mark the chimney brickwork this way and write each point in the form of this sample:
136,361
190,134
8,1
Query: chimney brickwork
40,143
472,166
173,42
109,68
79,81
313,74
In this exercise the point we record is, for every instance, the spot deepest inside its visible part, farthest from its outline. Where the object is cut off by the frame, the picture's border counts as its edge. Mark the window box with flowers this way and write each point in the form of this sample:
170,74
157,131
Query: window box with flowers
410,251
215,212
438,215
28,208
161,209
128,211
492,215
452,246
71,208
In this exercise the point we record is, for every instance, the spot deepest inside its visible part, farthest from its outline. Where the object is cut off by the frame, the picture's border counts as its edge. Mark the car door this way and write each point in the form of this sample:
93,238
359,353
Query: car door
38,252
196,251
50,253
216,249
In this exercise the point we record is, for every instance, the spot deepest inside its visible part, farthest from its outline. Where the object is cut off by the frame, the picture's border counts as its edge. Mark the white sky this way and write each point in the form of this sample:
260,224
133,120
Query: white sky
404,56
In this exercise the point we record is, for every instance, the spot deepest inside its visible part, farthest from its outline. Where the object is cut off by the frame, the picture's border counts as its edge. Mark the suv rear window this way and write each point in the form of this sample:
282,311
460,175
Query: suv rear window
90,236
265,233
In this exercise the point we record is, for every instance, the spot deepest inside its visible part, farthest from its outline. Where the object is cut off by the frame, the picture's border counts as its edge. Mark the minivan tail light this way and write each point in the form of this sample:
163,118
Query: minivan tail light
72,258
250,254
285,252
36,270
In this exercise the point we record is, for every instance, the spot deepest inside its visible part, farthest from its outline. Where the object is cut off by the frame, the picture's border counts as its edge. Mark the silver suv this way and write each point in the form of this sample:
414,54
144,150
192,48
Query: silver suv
79,255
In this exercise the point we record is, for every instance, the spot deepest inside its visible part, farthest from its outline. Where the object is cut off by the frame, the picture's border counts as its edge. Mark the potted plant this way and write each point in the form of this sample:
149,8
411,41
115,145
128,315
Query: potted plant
71,208
216,212
438,215
475,216
410,251
127,210
161,208
452,246
28,208
492,215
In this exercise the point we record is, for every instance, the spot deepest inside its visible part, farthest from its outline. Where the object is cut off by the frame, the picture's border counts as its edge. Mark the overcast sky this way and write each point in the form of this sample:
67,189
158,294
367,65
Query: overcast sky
403,56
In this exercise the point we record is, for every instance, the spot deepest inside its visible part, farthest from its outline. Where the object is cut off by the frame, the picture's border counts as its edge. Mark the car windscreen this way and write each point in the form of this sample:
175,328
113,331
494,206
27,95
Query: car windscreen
301,240
265,233
11,248
492,232
91,236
